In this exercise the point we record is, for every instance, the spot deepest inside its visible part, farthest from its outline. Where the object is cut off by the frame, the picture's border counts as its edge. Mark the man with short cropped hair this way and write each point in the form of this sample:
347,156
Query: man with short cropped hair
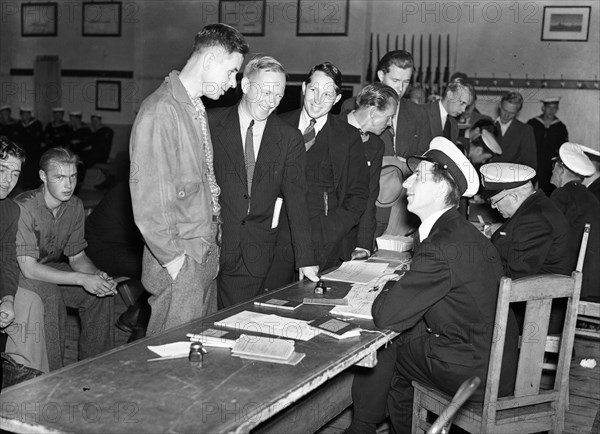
443,113
516,138
174,192
52,225
260,165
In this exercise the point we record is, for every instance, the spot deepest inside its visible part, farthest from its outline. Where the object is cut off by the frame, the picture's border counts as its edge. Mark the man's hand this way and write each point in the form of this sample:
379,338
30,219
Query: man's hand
97,285
311,272
7,312
359,253
381,281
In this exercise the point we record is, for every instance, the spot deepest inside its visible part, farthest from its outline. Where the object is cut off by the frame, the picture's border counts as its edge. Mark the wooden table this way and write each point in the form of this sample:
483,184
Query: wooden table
120,391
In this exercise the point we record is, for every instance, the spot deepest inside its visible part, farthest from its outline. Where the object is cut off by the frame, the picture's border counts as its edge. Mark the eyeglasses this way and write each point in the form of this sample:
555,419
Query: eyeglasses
494,203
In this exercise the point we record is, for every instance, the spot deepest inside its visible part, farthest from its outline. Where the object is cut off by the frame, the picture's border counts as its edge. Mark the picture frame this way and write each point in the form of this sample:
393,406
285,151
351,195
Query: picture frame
108,95
101,19
39,19
566,23
248,16
322,17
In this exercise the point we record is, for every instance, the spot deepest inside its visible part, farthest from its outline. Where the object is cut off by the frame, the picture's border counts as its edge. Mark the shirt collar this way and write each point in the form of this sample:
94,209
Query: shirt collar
245,119
428,223
443,112
305,121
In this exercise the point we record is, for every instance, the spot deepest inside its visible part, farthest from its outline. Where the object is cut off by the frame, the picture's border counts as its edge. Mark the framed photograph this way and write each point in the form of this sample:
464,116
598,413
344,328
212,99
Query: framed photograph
248,16
39,19
108,95
323,17
566,23
101,19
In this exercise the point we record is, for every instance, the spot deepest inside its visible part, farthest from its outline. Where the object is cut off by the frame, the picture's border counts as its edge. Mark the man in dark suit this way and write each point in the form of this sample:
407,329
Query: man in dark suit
592,182
442,114
579,206
445,304
516,138
376,106
259,164
410,131
336,173
535,238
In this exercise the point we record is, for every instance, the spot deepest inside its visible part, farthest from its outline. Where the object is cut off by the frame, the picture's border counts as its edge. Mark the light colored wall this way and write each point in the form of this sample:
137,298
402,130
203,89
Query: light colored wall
487,38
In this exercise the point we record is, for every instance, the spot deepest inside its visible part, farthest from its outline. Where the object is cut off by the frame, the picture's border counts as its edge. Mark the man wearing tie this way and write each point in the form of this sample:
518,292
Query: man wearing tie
259,164
337,174
443,113
516,138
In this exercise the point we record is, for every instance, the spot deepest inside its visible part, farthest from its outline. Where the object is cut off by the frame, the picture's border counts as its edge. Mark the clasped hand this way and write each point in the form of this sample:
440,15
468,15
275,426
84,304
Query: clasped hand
100,284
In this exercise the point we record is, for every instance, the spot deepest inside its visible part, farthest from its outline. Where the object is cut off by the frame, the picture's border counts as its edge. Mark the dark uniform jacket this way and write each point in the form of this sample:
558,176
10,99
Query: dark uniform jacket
446,304
594,188
547,140
279,170
580,207
518,145
435,122
535,240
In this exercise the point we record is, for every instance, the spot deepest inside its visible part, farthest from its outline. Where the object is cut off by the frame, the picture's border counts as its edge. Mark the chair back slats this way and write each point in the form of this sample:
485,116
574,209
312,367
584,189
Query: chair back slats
533,344
542,286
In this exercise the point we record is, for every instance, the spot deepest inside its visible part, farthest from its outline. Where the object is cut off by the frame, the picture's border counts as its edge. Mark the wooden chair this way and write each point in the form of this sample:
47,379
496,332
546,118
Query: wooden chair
530,408
464,392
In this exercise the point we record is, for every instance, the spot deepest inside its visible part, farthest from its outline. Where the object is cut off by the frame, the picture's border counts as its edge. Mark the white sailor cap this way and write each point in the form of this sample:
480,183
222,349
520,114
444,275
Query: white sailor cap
573,157
5,107
592,154
58,109
26,108
490,142
551,100
446,154
75,113
504,176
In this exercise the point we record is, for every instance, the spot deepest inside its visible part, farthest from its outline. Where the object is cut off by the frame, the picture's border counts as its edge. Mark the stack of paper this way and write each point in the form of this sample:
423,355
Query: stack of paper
212,338
267,350
357,272
336,328
277,303
360,299
254,322
395,242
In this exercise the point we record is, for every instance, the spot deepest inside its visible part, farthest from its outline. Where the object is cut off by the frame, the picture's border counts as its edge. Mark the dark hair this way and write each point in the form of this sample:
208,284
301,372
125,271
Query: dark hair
440,174
10,148
513,98
330,70
58,155
400,58
221,35
459,75
377,95
486,124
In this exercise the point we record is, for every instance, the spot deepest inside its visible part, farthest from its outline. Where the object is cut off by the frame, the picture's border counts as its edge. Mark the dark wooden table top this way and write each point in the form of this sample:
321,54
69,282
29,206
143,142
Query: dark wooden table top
120,391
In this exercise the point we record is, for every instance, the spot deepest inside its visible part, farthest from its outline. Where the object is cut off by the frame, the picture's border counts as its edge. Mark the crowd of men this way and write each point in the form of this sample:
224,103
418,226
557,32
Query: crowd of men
92,143
231,202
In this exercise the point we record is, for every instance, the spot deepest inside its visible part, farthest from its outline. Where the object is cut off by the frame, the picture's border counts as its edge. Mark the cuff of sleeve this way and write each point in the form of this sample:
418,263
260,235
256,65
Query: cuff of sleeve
368,252
174,266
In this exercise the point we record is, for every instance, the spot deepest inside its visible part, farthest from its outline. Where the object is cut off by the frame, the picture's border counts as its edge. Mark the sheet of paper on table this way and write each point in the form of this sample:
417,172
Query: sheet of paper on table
173,349
360,299
254,322
357,272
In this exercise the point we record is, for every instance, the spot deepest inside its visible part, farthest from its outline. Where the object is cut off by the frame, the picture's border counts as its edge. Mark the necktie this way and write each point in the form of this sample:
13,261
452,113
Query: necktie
309,134
249,156
497,124
447,129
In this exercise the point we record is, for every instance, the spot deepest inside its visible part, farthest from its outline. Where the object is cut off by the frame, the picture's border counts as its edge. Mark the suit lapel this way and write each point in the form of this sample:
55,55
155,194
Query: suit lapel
436,119
338,148
270,149
230,140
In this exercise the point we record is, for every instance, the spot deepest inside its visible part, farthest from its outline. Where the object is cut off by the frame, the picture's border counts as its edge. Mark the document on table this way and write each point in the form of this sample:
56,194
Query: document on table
275,325
360,300
357,272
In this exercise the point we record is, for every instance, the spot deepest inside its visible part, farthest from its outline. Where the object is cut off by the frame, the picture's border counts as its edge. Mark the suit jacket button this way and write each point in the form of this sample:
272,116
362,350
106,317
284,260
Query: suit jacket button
246,196
243,222
181,193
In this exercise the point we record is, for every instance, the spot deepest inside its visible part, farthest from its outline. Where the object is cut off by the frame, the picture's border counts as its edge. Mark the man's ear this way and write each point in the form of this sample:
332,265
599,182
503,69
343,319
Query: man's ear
303,88
380,75
208,59
337,99
42,176
245,84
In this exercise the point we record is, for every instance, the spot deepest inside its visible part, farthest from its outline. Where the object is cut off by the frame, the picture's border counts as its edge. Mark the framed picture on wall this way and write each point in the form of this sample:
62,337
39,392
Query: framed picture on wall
39,19
101,19
566,23
108,95
248,16
322,17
